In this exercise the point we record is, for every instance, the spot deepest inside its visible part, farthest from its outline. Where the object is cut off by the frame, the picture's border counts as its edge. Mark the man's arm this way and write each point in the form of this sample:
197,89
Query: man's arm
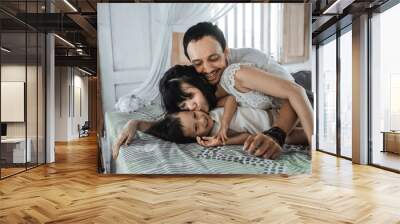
264,145
287,118
237,139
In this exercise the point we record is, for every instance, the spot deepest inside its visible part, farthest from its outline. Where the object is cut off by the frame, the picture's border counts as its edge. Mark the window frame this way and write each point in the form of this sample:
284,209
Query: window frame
333,37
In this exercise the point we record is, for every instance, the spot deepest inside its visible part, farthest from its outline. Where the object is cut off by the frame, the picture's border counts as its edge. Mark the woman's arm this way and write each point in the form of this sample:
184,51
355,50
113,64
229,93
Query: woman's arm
230,105
286,118
256,79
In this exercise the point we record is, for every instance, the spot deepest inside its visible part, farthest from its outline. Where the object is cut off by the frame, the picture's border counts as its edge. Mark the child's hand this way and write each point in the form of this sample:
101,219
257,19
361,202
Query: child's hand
125,137
208,141
222,135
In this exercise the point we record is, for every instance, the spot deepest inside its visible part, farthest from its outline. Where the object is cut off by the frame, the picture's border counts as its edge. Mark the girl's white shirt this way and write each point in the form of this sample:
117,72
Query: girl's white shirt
245,120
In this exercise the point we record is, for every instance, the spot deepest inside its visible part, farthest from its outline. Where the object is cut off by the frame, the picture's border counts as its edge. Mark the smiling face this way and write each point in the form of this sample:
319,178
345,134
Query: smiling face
208,57
196,100
195,123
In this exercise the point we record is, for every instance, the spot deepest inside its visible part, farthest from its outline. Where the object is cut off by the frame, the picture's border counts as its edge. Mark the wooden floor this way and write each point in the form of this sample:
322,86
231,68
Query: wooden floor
70,191
387,159
10,171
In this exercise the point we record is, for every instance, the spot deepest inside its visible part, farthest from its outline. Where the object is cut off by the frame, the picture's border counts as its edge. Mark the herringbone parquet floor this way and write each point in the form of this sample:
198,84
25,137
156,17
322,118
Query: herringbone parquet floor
70,191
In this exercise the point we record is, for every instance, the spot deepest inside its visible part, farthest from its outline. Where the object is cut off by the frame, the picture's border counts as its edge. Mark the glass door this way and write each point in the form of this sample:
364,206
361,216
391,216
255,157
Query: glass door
14,154
22,77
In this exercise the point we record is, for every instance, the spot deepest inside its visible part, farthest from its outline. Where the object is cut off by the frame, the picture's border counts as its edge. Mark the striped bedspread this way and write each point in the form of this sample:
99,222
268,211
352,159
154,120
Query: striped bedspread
150,155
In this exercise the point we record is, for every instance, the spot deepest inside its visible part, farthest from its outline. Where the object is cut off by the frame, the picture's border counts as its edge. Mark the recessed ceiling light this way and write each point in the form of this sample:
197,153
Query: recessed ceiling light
70,5
5,50
65,41
84,71
337,7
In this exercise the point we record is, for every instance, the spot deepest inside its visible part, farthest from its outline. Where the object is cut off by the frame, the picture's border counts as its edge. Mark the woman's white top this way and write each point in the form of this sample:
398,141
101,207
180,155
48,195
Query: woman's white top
245,120
254,99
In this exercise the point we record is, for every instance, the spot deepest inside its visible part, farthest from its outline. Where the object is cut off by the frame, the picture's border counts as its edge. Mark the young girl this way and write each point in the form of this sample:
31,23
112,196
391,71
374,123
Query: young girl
192,126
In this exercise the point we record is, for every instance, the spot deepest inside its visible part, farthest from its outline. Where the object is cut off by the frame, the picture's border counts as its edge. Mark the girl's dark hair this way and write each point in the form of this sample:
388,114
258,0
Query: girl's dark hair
201,30
170,129
171,91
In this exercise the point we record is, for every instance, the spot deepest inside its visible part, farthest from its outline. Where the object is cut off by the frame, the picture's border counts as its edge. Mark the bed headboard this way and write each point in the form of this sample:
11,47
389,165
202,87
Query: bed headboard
177,55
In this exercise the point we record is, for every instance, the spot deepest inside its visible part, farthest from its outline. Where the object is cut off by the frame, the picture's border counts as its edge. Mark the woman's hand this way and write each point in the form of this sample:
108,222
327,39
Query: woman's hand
125,137
208,141
222,134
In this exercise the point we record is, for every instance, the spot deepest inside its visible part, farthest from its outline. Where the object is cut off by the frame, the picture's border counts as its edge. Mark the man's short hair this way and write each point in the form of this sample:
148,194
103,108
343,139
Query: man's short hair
201,30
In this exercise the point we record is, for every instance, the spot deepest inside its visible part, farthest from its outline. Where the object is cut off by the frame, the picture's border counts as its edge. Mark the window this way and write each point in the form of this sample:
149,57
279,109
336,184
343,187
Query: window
394,101
385,84
22,63
346,94
327,97
252,25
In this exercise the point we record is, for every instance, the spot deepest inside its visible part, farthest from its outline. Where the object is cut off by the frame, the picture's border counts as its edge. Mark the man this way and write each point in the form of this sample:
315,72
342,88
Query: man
205,46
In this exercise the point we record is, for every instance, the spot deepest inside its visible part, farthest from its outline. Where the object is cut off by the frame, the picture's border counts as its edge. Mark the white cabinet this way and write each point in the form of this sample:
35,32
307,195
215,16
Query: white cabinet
13,150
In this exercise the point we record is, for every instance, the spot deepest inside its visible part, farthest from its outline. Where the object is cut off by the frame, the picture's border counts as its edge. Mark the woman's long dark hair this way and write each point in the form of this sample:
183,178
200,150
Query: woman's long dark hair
171,91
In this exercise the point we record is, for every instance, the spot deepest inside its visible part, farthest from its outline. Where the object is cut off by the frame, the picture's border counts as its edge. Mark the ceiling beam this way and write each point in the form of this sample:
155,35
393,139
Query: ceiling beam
84,61
337,7
84,24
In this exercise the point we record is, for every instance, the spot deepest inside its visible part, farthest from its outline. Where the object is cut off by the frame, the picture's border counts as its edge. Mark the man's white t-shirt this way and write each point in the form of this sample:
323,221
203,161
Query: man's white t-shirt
259,59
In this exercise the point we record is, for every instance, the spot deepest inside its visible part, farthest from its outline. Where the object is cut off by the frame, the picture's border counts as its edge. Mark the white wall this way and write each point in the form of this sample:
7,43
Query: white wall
67,116
81,84
62,81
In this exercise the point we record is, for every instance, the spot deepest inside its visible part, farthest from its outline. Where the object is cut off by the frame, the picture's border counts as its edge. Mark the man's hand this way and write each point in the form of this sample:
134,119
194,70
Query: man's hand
263,146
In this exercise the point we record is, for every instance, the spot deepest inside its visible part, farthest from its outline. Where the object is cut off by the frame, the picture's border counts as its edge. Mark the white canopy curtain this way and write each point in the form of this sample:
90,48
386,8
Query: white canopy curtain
172,17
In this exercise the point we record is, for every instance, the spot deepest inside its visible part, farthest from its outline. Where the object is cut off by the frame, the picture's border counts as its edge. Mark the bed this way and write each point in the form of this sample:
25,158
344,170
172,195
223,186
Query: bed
122,71
150,155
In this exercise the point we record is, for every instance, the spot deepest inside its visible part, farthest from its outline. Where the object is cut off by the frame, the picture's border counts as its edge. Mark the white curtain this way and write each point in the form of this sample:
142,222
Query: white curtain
173,17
